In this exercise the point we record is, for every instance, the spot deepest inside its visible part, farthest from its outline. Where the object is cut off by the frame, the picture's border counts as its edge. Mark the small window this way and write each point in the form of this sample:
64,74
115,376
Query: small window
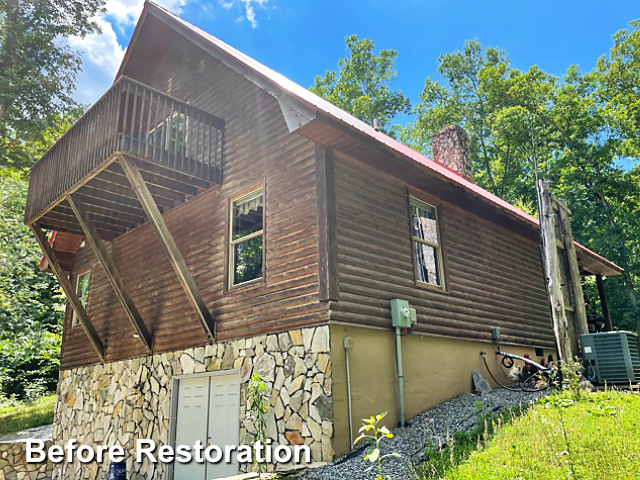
172,134
246,235
83,282
426,244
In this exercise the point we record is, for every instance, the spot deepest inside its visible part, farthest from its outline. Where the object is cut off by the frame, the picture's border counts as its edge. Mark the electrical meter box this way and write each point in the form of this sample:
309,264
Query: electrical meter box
402,315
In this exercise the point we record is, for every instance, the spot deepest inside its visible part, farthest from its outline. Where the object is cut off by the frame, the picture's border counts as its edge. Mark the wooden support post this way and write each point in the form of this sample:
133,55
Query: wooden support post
166,240
69,291
575,280
552,274
603,303
91,234
327,236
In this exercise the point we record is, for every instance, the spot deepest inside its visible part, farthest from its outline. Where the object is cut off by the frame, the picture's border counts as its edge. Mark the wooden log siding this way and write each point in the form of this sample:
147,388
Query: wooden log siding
494,276
258,148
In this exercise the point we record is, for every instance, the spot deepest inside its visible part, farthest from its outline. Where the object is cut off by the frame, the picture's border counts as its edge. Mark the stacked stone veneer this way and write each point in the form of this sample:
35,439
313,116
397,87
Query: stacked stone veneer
14,466
119,402
450,147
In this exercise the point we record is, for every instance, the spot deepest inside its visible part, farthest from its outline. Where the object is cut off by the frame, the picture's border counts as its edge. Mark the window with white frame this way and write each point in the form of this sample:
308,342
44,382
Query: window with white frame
427,250
172,134
83,283
246,238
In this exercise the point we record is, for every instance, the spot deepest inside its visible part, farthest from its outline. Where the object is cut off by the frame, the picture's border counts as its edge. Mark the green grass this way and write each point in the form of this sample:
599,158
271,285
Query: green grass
596,437
27,415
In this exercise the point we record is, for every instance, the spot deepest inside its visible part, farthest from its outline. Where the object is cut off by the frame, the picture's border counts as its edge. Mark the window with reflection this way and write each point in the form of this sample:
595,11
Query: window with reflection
427,251
172,134
246,238
83,283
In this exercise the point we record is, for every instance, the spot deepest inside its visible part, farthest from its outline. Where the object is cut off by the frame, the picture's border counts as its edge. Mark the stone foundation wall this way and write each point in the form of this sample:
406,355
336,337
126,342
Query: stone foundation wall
14,466
118,403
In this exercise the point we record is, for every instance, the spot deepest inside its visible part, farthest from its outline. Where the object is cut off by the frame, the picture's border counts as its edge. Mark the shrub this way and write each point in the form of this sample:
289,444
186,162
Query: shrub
29,366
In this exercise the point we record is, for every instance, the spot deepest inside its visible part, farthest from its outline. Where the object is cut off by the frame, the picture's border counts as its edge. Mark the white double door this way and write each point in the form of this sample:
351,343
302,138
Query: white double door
208,409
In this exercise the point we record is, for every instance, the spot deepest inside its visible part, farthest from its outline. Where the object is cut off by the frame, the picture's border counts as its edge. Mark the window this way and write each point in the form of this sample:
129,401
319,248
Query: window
426,244
83,282
246,238
172,134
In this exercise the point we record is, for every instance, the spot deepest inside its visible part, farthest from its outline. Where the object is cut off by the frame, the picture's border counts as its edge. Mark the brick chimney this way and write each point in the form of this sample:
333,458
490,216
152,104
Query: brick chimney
450,147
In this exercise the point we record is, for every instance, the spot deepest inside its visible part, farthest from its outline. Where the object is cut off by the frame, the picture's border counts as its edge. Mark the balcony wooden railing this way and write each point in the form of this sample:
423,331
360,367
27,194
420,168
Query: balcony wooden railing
133,119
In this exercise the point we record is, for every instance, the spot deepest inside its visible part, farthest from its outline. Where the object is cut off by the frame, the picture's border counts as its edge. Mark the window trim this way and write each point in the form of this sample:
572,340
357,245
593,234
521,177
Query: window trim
75,321
443,287
245,193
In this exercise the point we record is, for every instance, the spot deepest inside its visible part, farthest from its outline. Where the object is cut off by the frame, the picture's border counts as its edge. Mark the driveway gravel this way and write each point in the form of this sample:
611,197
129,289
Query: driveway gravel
38,433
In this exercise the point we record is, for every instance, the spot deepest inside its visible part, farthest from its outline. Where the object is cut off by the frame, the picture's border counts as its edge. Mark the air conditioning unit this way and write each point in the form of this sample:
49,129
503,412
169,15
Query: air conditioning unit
611,357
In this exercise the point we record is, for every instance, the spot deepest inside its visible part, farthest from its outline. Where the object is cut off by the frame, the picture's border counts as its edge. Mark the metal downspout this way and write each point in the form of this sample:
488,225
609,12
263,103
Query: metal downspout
400,377
348,343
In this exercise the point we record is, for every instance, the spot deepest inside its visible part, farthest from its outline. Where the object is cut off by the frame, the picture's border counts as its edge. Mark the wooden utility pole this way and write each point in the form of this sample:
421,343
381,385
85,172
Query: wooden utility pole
552,275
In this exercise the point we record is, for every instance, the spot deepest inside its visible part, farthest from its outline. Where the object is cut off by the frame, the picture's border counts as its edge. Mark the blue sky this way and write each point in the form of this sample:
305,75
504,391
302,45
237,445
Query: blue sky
304,38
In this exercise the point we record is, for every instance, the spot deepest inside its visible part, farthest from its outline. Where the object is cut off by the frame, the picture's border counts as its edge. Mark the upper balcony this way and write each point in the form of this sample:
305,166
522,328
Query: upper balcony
177,148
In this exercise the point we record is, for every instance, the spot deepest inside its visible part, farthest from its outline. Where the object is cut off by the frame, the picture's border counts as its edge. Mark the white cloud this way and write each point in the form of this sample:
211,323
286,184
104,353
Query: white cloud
251,13
249,7
101,56
102,53
126,12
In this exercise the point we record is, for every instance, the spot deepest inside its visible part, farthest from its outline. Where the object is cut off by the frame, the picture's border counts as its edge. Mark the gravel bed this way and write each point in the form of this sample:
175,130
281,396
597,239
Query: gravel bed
37,433
430,427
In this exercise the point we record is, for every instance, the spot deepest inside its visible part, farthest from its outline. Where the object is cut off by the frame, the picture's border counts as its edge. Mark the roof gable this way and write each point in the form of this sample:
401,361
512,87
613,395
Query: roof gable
300,106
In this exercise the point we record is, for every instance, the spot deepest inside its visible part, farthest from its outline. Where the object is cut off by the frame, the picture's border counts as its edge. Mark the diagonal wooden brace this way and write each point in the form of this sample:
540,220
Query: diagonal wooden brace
91,234
69,291
166,240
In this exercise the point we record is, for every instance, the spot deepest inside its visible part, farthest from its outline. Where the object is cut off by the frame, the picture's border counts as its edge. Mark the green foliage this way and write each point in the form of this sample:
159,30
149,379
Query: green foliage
31,302
18,416
568,127
257,409
362,84
594,438
619,77
370,431
572,379
438,460
558,438
38,70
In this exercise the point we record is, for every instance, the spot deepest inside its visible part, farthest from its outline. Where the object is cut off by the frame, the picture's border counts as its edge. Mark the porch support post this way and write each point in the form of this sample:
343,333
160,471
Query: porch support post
603,303
328,250
91,234
69,291
166,240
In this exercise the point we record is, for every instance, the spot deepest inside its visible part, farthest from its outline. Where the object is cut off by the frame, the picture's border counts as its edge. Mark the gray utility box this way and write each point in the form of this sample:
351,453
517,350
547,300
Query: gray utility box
611,357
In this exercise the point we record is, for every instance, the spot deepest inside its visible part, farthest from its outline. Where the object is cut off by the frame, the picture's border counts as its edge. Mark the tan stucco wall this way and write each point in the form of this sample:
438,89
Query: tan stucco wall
435,369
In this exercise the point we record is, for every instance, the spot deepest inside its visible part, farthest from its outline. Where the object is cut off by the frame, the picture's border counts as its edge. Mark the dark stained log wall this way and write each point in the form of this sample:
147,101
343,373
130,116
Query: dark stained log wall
258,149
494,276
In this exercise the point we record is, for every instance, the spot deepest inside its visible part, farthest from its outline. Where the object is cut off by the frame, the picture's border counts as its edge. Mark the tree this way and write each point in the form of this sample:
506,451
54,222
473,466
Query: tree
31,302
362,84
619,77
38,68
518,120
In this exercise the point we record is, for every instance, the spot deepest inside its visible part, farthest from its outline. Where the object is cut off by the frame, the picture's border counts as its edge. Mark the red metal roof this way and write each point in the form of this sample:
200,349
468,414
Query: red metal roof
317,103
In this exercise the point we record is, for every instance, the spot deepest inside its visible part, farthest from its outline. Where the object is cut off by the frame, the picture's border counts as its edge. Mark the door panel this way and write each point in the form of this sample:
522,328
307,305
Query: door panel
224,422
208,409
191,426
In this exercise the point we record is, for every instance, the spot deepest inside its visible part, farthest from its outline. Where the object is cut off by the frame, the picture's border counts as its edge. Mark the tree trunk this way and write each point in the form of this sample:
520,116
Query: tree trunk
622,250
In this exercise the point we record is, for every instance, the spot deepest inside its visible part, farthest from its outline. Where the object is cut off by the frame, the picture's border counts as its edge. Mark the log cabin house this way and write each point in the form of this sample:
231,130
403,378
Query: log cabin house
214,220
